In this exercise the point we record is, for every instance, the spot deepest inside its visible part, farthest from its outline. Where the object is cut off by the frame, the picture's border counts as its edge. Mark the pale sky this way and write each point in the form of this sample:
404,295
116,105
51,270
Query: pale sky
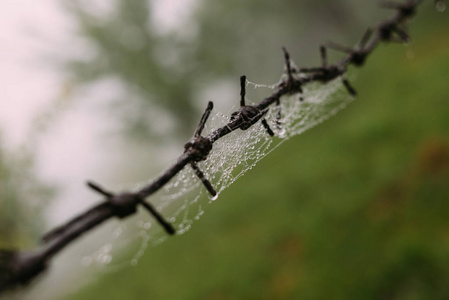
69,152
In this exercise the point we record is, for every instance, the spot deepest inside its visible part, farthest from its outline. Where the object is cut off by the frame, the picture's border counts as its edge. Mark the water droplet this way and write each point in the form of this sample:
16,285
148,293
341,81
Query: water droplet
213,198
283,133
117,232
106,248
147,225
86,261
105,259
440,6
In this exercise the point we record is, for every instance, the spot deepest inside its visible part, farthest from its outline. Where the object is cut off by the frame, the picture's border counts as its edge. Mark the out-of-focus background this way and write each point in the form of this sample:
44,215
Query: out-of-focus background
356,208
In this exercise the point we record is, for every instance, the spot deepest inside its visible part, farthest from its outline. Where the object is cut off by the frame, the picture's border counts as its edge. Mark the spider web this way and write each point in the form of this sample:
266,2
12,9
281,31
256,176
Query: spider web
183,200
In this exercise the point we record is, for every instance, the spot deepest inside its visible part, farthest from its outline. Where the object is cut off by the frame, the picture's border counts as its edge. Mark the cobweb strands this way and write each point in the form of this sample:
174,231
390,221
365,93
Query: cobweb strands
223,148
184,198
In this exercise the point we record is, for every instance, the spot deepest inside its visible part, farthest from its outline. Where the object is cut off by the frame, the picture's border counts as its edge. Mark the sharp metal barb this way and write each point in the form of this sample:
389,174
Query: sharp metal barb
288,64
267,127
403,35
204,118
349,87
167,226
242,90
338,47
99,189
323,56
278,114
203,179
365,38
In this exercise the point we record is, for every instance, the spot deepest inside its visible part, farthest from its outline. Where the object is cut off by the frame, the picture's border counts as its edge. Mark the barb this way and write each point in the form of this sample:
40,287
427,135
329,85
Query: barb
198,149
19,268
359,53
248,115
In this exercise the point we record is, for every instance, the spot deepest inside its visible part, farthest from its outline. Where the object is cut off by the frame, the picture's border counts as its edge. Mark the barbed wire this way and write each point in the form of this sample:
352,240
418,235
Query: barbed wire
19,268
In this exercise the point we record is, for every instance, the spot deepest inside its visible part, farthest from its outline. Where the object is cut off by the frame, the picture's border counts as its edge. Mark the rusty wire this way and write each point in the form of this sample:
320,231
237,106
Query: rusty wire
19,268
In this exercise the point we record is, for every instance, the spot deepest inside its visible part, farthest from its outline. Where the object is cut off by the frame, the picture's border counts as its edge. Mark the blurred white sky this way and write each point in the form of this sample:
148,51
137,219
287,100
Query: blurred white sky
26,85
31,35
67,153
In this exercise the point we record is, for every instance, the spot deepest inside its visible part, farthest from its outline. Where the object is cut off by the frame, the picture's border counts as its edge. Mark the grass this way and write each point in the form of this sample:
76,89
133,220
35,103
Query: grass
353,209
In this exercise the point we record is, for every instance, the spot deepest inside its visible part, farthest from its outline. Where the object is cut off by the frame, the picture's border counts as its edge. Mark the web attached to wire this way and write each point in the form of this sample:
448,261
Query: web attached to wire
184,198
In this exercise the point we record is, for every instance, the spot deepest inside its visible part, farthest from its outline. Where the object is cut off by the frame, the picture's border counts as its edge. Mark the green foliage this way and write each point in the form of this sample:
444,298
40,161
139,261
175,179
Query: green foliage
354,209
22,200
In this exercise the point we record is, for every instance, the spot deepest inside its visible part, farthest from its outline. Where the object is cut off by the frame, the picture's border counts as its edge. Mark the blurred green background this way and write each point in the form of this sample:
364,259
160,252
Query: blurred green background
356,208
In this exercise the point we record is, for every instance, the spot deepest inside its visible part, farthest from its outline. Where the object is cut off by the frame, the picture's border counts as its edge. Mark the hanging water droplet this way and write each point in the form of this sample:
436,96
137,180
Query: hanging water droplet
213,198
117,232
105,259
440,6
